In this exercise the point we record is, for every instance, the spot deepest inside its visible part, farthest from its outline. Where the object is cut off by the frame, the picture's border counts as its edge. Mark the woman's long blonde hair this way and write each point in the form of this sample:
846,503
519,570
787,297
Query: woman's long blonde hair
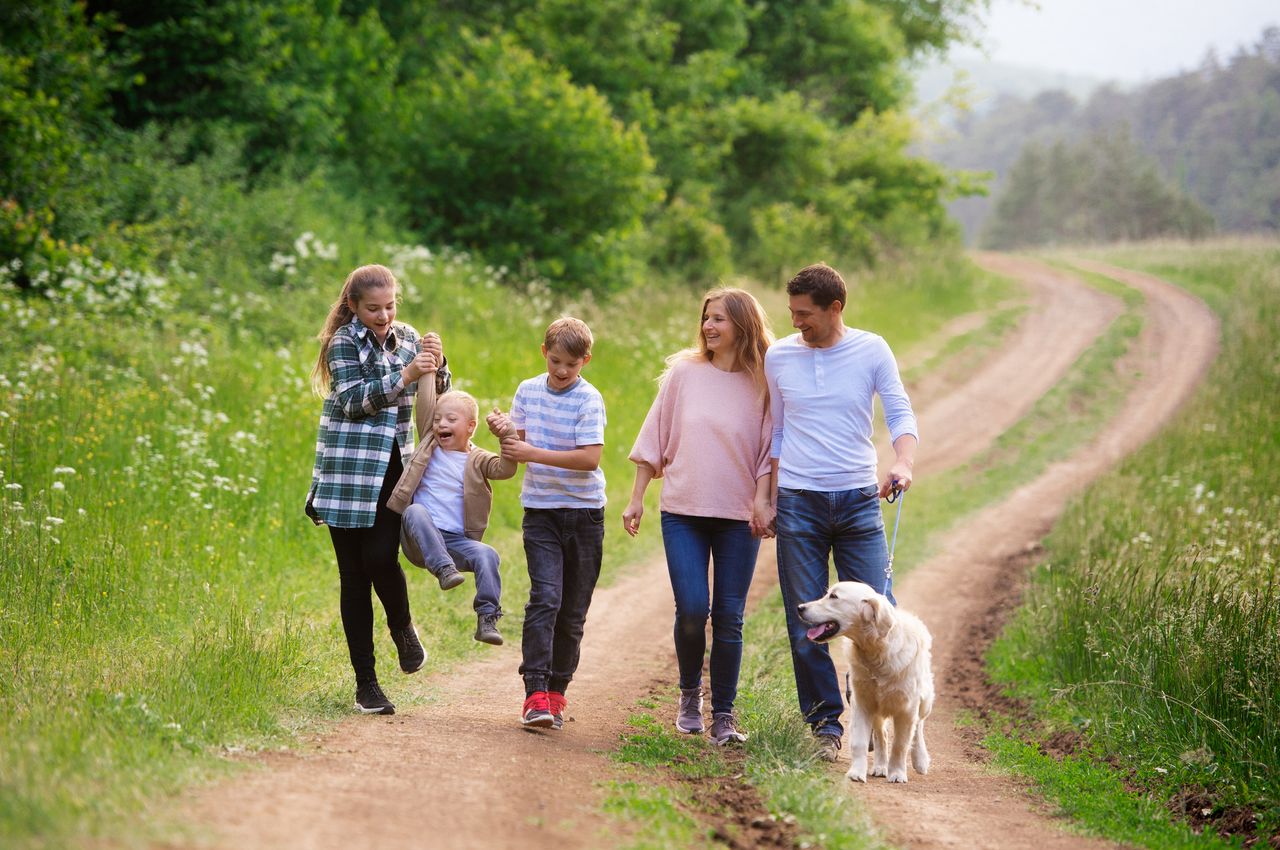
358,283
754,336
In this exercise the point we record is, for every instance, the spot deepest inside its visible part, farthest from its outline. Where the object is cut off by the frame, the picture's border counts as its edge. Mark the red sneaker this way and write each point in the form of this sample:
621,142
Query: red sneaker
557,704
537,711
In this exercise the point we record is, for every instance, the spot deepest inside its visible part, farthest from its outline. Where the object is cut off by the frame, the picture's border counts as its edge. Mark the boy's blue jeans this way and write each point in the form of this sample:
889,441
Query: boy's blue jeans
691,543
563,547
427,546
813,525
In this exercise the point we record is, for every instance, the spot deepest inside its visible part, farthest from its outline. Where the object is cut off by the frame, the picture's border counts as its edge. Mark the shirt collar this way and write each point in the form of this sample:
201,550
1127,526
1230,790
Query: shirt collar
391,343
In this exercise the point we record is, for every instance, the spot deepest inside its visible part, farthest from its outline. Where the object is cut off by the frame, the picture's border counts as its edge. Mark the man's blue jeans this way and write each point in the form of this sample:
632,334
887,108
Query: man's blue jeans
427,546
692,543
812,526
563,547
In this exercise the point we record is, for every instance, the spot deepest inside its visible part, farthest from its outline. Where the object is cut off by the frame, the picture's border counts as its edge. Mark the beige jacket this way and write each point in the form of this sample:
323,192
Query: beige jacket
482,467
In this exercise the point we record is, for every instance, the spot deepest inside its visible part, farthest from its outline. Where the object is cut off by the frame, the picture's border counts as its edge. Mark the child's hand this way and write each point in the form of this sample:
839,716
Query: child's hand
517,450
430,343
498,423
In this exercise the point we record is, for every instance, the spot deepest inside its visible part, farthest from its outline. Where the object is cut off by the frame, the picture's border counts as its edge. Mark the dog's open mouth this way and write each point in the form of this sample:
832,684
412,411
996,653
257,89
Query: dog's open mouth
822,632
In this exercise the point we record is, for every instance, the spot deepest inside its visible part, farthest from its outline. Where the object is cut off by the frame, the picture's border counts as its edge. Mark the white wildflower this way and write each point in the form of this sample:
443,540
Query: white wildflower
58,485
64,470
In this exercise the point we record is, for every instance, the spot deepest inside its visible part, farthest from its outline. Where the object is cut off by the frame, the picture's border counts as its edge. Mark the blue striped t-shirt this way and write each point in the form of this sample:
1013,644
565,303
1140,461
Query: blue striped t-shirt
560,421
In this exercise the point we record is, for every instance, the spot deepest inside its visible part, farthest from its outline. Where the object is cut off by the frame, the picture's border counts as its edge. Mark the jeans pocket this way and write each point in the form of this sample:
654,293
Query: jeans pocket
869,492
596,515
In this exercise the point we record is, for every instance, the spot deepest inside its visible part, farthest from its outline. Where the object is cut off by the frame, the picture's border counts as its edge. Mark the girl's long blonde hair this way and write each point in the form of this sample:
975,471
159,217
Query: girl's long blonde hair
358,283
754,336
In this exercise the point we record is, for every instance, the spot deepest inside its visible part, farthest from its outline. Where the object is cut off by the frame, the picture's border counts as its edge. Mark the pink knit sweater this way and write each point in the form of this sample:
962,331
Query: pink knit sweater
708,435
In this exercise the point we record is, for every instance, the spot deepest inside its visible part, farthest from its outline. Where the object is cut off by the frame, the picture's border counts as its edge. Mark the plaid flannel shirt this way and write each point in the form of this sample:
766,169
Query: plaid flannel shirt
368,406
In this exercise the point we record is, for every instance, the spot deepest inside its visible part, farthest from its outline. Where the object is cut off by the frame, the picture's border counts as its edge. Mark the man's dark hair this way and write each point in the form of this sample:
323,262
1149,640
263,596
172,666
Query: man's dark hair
821,283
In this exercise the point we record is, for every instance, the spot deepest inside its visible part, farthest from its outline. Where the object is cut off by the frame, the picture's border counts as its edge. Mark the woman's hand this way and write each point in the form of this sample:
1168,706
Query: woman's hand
763,514
631,516
424,363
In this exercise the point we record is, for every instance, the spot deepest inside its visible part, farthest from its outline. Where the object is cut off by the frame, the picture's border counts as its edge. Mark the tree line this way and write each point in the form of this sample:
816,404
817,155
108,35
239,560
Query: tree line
1201,150
583,143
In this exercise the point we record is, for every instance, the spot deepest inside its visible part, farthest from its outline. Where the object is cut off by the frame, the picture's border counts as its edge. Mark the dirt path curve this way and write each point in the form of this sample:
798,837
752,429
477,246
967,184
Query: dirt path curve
467,775
961,804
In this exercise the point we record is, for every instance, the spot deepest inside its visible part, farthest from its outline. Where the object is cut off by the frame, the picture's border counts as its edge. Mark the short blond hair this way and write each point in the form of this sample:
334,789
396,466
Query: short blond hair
463,398
572,335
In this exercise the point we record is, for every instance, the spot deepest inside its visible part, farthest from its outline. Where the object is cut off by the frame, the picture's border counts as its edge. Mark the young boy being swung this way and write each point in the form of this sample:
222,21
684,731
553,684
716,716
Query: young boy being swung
445,498
560,420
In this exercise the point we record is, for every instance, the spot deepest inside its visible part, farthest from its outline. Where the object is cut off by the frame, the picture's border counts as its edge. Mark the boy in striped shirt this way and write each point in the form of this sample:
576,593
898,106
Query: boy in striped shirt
559,420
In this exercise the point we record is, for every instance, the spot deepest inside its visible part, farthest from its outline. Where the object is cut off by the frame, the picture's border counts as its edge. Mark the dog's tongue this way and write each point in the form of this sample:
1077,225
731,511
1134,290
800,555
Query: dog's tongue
816,632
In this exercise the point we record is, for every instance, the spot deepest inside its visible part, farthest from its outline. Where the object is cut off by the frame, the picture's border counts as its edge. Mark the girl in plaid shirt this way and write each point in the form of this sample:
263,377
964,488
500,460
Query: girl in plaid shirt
369,364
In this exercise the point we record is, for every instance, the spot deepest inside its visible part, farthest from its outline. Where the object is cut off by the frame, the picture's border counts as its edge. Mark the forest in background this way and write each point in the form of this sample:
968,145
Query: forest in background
1178,156
586,145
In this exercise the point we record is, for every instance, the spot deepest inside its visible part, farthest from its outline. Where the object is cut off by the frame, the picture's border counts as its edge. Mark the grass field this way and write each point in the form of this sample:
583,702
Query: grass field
1151,626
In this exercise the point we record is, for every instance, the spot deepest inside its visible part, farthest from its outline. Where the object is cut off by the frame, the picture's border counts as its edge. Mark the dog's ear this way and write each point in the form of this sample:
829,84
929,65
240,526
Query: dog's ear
877,614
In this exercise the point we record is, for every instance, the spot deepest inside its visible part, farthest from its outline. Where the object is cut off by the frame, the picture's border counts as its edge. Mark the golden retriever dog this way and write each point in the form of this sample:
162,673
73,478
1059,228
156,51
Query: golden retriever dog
889,663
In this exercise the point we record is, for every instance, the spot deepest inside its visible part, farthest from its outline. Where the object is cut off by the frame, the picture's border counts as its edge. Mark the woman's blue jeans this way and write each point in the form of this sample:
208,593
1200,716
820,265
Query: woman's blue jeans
812,527
693,542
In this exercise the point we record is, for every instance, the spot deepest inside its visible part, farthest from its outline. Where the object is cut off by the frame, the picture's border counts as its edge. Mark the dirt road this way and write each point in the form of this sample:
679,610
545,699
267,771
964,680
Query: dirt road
467,775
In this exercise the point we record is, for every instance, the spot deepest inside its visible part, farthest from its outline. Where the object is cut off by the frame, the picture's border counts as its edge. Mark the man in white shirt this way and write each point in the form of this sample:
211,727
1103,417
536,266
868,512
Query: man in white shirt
822,384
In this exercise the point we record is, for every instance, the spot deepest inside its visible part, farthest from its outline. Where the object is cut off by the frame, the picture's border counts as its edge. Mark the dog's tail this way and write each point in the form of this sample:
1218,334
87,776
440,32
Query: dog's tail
848,687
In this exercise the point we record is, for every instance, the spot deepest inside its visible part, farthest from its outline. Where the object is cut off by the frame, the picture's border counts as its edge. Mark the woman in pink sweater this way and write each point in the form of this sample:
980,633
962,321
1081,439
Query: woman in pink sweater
707,434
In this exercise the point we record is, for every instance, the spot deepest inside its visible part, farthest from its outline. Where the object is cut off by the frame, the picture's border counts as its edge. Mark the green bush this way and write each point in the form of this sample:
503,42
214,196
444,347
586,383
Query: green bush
503,153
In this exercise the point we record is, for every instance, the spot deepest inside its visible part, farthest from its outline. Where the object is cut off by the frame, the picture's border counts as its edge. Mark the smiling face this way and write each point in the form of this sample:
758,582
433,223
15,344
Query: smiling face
376,309
453,425
563,368
718,330
819,327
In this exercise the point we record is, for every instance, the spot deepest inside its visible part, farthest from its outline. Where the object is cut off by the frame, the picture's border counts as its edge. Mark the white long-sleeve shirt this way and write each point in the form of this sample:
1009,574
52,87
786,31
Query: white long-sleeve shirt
821,402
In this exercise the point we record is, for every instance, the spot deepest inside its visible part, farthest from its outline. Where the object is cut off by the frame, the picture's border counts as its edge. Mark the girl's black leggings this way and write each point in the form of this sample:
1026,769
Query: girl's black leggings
370,557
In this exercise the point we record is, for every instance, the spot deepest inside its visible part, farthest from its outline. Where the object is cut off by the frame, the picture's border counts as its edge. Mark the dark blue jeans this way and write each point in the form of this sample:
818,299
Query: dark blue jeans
693,542
562,547
812,526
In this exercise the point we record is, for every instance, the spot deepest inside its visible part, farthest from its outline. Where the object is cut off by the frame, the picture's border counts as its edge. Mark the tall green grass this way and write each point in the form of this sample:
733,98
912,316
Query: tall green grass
163,596
1153,625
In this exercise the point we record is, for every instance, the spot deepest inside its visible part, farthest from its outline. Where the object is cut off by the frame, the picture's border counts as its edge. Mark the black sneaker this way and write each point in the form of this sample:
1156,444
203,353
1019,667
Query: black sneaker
412,655
487,629
371,700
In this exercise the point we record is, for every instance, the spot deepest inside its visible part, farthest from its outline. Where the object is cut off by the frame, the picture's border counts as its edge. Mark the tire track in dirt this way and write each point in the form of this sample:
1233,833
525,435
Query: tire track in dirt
459,771
960,803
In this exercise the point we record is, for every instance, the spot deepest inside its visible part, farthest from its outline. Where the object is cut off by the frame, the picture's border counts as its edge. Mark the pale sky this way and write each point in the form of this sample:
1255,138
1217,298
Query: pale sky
1126,40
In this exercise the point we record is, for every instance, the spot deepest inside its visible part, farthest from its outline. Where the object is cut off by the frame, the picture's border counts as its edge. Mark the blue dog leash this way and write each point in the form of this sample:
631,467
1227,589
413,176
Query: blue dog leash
899,496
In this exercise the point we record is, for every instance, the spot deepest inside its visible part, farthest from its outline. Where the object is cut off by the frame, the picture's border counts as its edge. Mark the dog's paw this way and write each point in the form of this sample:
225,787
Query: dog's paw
898,776
880,770
856,775
921,765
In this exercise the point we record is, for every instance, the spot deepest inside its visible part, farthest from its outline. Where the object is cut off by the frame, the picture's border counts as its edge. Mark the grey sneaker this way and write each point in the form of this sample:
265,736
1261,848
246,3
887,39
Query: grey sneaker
449,577
724,729
487,629
828,747
409,648
689,717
